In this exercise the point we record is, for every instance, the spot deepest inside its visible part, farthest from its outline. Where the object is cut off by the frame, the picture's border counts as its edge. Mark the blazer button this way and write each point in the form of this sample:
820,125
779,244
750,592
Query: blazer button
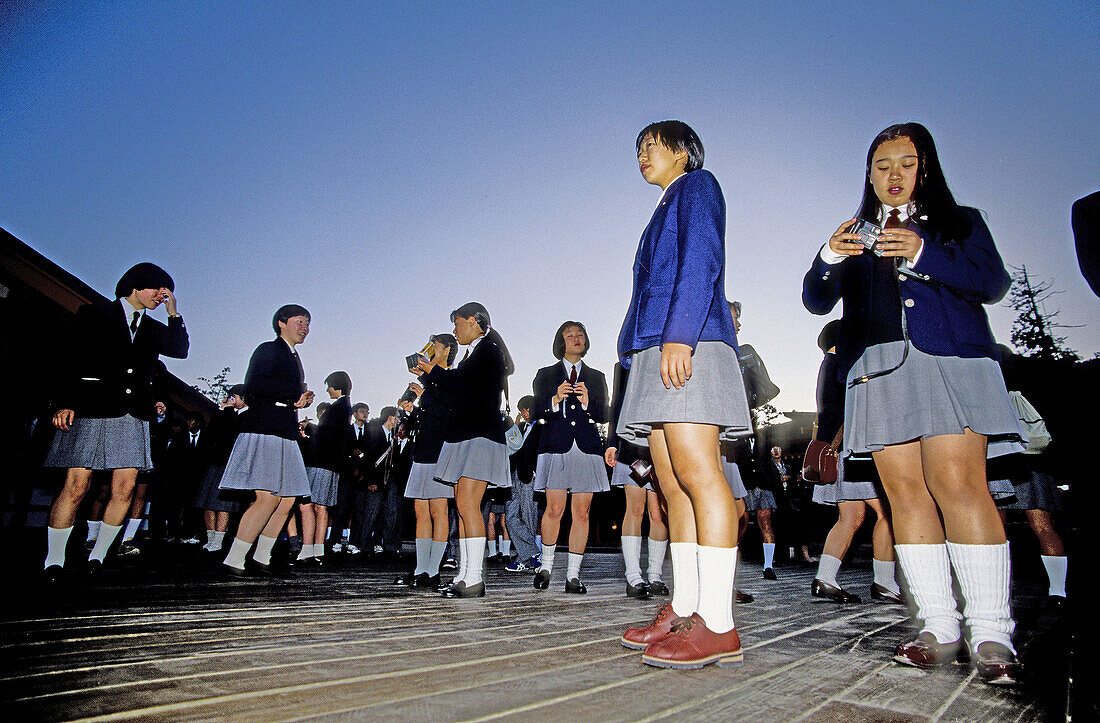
129,371
572,406
909,303
901,277
127,391
572,424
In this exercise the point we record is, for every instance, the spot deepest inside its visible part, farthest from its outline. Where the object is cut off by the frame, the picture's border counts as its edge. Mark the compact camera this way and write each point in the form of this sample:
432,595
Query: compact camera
869,235
426,354
640,469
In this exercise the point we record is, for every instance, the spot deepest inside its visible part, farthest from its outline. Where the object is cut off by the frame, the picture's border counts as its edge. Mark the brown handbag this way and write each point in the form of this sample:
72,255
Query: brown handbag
820,463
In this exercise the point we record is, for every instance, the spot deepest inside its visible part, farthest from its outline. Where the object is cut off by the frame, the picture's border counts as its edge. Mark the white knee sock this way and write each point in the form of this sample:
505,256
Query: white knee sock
423,551
632,558
435,557
506,547
573,569
107,535
685,578
56,540
769,554
884,575
132,526
475,548
492,544
716,575
928,570
237,552
547,558
463,562
984,574
1056,574
262,554
827,568
93,530
655,551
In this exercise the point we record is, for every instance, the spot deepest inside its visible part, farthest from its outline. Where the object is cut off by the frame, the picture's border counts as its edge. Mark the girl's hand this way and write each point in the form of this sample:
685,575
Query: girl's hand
63,419
582,393
416,388
609,456
423,367
844,243
564,390
169,301
305,400
899,242
675,364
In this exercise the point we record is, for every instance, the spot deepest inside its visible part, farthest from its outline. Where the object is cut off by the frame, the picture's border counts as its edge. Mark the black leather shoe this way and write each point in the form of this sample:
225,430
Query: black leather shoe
769,574
54,575
406,580
656,587
743,598
640,591
1056,603
464,590
234,571
878,592
95,568
996,664
575,586
819,588
425,580
542,580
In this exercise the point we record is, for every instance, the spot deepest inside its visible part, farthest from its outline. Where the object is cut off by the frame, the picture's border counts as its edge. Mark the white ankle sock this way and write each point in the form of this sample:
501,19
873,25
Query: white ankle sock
632,558
93,530
769,554
506,547
884,575
237,552
216,540
132,526
655,551
209,540
306,553
927,568
685,578
262,554
716,575
423,551
827,568
56,540
573,569
435,557
475,546
547,558
106,537
1056,574
984,574
492,545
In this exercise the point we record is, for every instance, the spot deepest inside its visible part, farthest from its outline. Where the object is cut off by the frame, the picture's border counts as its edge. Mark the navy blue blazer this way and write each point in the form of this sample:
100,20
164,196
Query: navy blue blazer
571,422
272,385
474,388
428,423
942,305
331,449
109,375
679,271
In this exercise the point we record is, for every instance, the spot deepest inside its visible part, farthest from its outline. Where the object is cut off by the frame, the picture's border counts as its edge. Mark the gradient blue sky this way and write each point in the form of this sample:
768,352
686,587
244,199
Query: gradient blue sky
383,163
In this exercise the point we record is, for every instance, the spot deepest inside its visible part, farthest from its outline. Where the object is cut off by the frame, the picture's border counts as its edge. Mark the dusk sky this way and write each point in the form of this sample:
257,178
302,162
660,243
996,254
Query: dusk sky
383,163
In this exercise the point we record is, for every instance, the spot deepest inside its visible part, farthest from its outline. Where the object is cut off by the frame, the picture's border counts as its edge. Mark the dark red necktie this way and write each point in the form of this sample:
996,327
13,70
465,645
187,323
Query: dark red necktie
573,375
893,219
134,323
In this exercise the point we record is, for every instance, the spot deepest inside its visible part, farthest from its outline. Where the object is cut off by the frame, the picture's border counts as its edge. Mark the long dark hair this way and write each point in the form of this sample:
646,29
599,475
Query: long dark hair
481,315
936,208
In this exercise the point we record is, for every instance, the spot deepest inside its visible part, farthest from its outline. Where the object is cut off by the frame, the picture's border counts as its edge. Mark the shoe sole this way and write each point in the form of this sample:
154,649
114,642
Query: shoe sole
632,645
722,660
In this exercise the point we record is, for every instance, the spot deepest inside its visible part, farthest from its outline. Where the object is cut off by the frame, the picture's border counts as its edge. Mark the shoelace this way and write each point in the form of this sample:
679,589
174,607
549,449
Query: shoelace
682,626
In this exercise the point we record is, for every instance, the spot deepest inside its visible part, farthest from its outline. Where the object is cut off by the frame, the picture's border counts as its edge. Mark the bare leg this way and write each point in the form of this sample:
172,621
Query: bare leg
578,528
551,518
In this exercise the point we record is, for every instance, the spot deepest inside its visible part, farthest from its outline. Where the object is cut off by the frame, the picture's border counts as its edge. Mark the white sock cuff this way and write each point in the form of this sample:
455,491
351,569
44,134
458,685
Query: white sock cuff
1056,567
827,568
716,566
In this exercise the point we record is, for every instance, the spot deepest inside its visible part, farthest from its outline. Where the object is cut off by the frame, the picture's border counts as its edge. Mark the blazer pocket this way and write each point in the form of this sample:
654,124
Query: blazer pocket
653,310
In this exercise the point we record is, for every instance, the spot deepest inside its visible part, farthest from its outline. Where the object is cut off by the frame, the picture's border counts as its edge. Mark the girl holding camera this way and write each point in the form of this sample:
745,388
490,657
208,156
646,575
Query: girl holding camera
925,394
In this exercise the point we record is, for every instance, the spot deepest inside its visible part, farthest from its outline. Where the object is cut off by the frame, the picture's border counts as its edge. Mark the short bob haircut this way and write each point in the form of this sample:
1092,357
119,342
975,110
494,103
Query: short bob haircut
525,402
359,405
143,276
676,136
448,341
286,313
340,381
559,339
933,199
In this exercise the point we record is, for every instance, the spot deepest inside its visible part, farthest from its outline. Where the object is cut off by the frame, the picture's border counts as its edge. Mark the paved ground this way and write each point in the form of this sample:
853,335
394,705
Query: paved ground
172,640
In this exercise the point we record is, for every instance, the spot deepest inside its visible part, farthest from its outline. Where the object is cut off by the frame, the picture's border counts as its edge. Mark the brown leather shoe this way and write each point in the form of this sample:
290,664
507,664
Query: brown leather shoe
878,592
820,588
925,652
996,664
743,597
691,644
639,638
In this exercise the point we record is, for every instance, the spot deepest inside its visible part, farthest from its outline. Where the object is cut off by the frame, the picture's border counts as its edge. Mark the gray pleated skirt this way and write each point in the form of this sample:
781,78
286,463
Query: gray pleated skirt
573,471
266,462
478,458
714,395
733,477
102,443
423,485
323,484
844,490
926,397
211,497
759,499
620,476
1037,492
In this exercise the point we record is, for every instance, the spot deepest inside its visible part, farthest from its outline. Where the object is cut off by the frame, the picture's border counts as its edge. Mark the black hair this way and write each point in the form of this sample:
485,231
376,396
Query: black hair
676,136
559,339
359,405
525,402
323,407
826,340
448,341
340,381
935,205
194,416
236,389
286,313
387,412
143,276
481,315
